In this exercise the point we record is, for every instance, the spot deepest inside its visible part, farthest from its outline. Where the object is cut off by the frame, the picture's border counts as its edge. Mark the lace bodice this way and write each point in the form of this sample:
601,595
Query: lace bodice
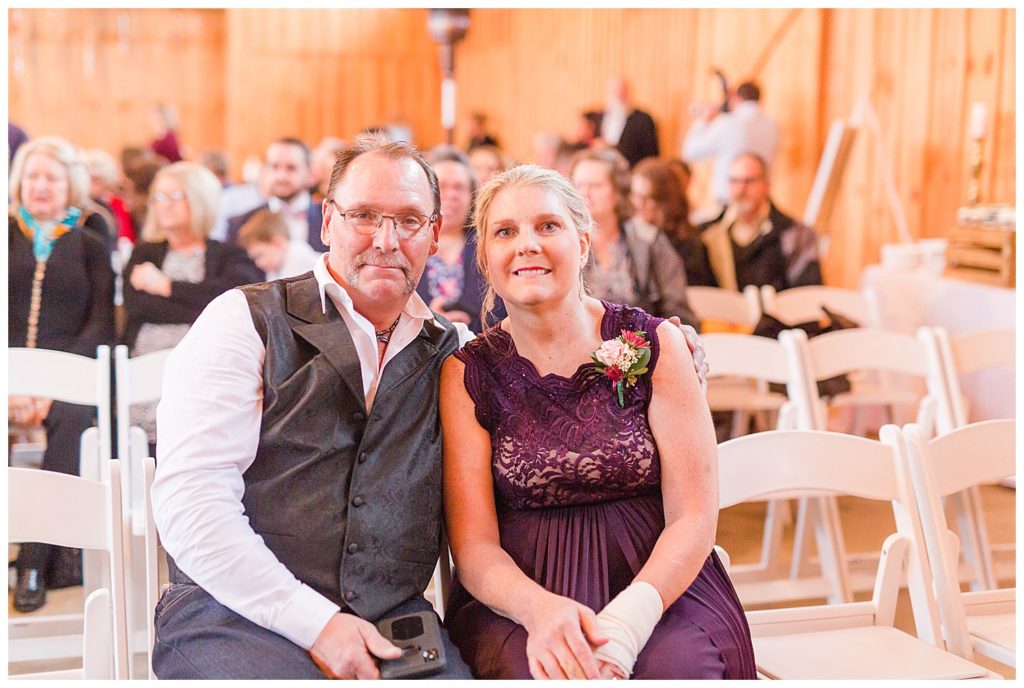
558,441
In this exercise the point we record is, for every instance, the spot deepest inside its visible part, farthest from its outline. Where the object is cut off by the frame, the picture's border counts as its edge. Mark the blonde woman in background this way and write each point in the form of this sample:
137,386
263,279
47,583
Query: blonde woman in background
176,270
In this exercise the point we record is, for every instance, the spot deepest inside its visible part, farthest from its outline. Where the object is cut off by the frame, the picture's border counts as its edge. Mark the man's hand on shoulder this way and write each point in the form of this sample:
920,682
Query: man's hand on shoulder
347,646
696,346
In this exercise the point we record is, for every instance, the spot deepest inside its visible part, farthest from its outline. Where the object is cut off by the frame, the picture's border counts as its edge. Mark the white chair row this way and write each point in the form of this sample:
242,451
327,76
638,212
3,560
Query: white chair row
81,380
799,363
857,640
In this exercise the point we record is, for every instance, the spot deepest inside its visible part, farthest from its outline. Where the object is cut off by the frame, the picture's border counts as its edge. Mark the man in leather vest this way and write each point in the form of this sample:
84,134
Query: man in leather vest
298,488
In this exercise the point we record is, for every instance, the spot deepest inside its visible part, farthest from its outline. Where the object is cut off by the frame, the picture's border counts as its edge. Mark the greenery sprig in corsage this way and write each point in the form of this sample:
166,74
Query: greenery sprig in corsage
622,360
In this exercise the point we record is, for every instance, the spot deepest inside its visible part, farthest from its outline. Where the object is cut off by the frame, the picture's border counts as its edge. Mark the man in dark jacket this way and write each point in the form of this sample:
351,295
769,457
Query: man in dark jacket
629,129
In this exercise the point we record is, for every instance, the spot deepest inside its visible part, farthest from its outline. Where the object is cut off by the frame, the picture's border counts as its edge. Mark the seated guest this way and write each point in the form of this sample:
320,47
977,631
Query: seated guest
752,241
138,180
451,284
60,296
658,200
323,157
288,174
581,514
486,162
175,271
478,133
631,261
265,238
104,182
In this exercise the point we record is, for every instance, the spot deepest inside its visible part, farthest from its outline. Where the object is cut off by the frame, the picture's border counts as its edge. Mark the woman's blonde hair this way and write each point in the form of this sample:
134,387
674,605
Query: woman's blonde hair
522,175
64,152
202,191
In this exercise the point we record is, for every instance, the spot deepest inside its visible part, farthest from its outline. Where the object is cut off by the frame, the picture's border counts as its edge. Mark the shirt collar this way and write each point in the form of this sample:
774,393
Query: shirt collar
415,307
299,204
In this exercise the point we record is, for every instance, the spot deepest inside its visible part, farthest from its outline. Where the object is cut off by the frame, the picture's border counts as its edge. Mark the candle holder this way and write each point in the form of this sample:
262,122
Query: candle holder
974,160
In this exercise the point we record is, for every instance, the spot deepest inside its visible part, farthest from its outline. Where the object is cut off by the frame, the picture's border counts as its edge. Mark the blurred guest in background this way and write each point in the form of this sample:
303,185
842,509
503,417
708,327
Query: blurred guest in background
163,123
60,296
486,162
658,200
104,190
175,271
287,175
478,134
15,137
725,136
451,283
630,262
752,241
138,178
217,161
323,157
629,129
265,238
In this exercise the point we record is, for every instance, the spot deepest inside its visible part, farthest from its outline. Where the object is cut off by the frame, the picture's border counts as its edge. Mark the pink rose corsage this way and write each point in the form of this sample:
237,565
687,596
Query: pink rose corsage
622,360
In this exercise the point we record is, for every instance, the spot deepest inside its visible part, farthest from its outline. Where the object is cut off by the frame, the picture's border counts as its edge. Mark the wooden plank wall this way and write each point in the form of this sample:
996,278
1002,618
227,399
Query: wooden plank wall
91,76
242,77
316,73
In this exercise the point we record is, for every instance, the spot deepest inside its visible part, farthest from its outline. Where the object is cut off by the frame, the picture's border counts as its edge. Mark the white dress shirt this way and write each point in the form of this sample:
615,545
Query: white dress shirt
209,424
299,257
613,122
295,213
744,130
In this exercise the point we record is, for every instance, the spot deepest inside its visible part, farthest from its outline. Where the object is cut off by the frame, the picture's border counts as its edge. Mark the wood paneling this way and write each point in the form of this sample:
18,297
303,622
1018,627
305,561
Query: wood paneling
92,75
317,73
243,77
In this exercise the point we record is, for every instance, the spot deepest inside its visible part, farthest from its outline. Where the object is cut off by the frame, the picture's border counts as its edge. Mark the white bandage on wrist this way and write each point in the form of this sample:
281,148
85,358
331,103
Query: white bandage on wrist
627,622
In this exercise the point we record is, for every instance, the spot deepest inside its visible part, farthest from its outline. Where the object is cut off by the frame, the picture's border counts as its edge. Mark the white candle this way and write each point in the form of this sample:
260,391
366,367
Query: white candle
979,120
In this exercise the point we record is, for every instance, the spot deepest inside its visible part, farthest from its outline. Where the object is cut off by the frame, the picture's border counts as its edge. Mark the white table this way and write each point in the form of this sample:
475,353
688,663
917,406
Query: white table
908,299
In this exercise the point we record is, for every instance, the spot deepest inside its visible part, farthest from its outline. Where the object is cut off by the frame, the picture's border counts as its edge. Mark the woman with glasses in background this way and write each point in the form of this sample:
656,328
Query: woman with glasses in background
175,271
60,297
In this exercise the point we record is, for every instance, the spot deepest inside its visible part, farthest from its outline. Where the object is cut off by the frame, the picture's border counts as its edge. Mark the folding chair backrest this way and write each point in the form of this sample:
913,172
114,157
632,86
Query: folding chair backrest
152,544
861,349
966,353
965,457
730,306
65,377
744,355
803,304
71,511
796,463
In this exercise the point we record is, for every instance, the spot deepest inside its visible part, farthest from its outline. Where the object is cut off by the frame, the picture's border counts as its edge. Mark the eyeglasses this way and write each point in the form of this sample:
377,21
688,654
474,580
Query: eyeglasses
366,222
639,199
174,197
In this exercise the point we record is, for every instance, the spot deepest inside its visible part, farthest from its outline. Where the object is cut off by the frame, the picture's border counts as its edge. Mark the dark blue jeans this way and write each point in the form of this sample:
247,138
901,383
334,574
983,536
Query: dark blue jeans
199,638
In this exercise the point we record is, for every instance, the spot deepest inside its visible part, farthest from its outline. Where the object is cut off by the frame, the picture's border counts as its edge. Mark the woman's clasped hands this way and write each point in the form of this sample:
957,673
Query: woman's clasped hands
561,638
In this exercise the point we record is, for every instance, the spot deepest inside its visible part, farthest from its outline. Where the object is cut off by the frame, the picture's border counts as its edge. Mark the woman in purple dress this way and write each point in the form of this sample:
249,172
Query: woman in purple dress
581,520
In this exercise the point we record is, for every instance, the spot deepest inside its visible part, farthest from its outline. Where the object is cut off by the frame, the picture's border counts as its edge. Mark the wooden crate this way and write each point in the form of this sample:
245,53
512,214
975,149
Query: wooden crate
982,254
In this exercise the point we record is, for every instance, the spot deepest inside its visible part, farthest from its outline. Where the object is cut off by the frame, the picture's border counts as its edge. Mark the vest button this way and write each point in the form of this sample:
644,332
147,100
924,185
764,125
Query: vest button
358,415
350,595
363,457
352,549
358,501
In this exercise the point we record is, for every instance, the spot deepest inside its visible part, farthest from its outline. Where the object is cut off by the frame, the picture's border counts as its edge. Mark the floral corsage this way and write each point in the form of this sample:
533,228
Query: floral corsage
622,360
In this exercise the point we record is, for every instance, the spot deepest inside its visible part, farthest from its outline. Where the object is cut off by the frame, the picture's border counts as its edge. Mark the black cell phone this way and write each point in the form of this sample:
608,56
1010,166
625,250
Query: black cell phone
419,636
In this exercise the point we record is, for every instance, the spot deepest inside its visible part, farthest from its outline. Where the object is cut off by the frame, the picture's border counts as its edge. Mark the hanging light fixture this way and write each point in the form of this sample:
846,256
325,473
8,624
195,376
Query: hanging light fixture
448,27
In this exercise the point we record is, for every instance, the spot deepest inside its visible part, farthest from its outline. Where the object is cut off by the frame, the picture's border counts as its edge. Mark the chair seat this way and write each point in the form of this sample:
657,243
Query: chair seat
999,629
727,394
866,652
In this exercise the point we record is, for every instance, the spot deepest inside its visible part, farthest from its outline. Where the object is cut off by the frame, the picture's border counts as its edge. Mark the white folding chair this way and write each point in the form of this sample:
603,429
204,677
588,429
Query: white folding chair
138,381
152,567
76,380
762,360
725,305
964,354
838,353
982,621
75,512
803,304
853,640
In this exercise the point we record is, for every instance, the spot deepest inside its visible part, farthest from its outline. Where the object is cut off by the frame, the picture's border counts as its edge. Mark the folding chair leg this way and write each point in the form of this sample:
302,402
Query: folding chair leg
970,523
832,549
800,566
776,516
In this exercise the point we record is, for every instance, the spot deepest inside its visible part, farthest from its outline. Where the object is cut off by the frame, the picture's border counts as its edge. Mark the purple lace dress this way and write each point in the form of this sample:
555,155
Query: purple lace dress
577,485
